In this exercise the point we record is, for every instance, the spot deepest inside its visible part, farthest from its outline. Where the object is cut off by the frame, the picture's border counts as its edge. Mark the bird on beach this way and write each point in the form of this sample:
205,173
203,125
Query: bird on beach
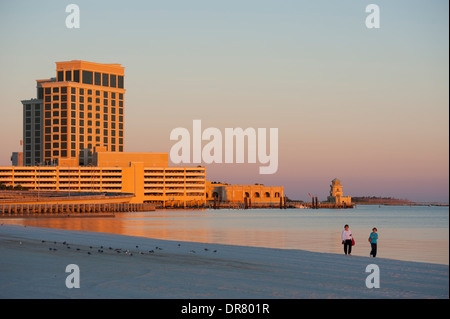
192,251
89,252
151,251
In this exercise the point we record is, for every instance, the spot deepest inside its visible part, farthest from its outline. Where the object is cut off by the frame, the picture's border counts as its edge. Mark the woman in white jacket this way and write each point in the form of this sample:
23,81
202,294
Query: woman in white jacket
347,240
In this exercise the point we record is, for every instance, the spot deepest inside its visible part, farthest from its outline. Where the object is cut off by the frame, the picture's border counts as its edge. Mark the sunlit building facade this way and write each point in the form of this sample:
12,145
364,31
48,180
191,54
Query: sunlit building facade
337,195
79,109
257,194
177,186
73,141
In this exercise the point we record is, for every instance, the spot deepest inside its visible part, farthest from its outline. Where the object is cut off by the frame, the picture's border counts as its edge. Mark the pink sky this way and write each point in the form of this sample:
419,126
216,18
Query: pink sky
367,106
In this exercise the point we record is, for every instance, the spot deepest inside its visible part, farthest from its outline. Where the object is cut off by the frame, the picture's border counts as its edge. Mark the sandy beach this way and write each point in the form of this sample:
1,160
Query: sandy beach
33,263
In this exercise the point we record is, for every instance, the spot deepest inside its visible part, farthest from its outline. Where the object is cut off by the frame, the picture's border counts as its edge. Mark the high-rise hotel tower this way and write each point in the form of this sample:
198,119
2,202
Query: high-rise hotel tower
81,108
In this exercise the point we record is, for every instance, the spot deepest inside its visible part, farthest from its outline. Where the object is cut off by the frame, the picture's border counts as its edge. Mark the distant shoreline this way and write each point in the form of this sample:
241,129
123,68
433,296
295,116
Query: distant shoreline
401,204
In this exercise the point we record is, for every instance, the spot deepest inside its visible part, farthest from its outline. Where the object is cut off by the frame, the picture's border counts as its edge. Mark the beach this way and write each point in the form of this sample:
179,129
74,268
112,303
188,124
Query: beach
33,265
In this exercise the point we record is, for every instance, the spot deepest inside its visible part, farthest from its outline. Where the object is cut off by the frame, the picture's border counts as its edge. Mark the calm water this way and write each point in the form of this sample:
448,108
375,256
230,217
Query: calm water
406,233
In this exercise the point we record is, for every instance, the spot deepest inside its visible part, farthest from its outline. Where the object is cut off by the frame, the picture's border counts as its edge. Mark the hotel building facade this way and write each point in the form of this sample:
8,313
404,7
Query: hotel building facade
79,109
73,135
146,175
73,140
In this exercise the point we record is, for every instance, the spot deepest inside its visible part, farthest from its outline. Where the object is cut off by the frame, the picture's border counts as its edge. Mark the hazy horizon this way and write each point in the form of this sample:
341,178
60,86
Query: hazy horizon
368,106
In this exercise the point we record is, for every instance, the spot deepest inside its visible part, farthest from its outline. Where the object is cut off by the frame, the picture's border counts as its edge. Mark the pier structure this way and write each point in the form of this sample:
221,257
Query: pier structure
71,210
56,204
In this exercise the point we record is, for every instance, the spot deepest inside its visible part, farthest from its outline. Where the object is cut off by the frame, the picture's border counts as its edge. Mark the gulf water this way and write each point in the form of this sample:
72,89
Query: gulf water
417,233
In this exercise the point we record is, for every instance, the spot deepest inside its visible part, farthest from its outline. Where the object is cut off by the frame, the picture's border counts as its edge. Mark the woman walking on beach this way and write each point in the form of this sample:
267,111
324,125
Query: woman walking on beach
373,237
346,237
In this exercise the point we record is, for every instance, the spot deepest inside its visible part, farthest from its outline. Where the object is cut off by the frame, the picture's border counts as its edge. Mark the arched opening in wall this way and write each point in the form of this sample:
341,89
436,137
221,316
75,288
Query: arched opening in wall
256,195
215,195
277,194
267,194
247,194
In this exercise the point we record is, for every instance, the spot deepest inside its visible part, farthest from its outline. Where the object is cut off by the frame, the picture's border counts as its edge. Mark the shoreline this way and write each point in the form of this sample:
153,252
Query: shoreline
396,247
34,260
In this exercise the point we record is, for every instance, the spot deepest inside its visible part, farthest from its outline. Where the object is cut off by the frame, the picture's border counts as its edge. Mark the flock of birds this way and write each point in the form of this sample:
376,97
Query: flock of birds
117,250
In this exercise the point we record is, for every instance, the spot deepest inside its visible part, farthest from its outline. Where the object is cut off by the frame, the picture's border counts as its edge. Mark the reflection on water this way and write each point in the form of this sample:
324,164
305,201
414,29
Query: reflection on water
407,233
